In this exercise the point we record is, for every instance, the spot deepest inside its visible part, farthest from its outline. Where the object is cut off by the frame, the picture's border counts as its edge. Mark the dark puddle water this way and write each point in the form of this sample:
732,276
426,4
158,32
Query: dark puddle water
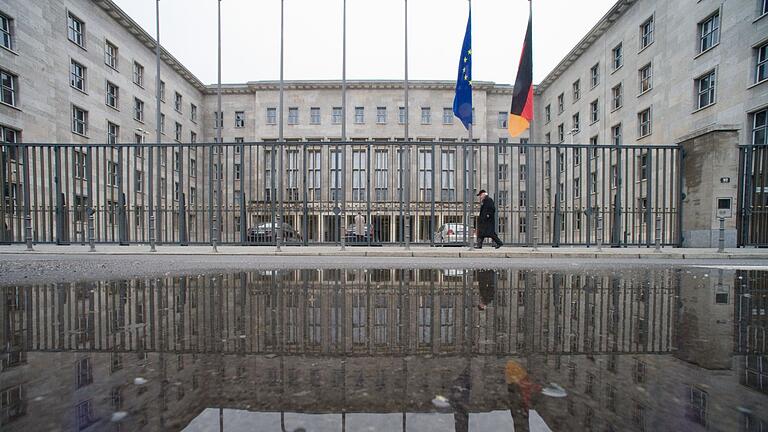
390,350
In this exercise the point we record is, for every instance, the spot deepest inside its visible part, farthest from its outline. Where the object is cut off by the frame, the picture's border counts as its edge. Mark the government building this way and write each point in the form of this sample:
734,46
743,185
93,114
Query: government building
641,135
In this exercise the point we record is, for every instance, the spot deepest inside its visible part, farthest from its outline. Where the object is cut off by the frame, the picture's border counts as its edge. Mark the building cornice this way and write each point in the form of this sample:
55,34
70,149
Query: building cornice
148,41
255,86
597,31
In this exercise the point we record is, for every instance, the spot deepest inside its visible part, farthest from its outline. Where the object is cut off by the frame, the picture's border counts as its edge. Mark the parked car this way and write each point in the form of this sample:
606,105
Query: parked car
267,233
351,237
452,234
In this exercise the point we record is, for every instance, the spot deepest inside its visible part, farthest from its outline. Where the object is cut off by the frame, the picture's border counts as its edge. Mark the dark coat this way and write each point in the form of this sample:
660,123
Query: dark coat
486,222
486,282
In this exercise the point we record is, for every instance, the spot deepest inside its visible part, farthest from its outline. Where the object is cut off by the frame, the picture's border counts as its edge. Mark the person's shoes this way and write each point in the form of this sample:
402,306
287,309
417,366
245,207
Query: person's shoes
478,247
498,245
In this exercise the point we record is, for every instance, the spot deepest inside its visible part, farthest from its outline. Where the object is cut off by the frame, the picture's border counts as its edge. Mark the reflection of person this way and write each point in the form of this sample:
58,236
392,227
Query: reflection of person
359,225
486,222
460,401
523,393
487,284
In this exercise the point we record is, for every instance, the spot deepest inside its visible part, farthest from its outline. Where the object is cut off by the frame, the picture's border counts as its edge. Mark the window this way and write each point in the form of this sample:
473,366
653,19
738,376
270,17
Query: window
697,406
576,90
218,118
162,91
447,116
560,103
79,120
644,123
138,74
401,115
314,159
577,187
595,75
618,57
759,127
6,31
762,7
705,90
78,164
522,199
503,171
192,137
425,175
138,109
448,175
381,115
335,177
560,133
239,119
336,115
502,122
77,75
426,115
113,95
84,415
177,136
618,96
709,32
293,115
138,180
761,64
547,138
381,170
594,111
76,30
84,372
643,163
177,101
112,174
547,114
616,134
271,116
110,54
162,123
646,33
645,76
576,124
193,112
113,133
359,115
9,83
523,172
314,115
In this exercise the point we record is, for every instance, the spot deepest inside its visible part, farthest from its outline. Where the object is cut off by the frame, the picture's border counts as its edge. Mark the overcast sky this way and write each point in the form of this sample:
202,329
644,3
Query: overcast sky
375,42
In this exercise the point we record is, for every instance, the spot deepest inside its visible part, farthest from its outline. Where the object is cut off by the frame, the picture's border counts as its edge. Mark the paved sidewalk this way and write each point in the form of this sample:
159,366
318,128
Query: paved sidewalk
398,252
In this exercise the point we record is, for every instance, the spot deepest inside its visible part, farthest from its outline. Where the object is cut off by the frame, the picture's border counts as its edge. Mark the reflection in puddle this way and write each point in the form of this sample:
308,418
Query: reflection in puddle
389,350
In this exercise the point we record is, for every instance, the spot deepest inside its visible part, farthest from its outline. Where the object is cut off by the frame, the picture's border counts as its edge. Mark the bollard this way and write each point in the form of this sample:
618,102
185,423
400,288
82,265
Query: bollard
658,234
91,231
535,232
721,237
599,233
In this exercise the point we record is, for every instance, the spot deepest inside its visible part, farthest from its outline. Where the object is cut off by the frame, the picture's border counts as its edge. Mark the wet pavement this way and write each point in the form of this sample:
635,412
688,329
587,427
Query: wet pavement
603,348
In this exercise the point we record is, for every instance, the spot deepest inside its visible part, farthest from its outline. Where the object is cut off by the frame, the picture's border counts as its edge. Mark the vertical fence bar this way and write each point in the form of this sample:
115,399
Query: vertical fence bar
89,209
60,216
27,202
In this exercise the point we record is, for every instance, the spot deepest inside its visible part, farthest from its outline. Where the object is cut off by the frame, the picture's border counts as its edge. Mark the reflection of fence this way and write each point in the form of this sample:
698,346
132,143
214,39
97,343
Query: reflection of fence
753,195
195,193
357,313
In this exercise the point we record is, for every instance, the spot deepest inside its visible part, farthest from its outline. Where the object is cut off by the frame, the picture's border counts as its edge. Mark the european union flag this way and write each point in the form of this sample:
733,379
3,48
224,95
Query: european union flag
462,102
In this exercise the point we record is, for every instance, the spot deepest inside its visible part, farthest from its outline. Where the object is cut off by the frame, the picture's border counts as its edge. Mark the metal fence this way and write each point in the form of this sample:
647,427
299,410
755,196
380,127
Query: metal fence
753,196
358,192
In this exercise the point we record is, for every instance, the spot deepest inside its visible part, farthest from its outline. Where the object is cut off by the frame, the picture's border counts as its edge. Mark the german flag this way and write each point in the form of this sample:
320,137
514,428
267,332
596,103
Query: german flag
521,112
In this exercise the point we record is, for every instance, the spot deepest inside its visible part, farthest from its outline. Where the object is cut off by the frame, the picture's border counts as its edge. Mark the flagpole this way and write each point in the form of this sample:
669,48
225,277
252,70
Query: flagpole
471,166
157,124
342,226
218,171
279,225
531,172
407,168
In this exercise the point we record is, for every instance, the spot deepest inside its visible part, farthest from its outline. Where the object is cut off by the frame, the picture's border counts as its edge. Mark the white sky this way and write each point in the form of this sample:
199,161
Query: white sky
375,43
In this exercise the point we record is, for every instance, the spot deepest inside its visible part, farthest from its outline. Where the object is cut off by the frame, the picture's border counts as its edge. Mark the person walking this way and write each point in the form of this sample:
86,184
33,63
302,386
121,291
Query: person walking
486,222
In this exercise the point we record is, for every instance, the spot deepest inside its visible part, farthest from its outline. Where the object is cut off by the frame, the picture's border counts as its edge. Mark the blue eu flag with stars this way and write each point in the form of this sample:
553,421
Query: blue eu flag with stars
462,102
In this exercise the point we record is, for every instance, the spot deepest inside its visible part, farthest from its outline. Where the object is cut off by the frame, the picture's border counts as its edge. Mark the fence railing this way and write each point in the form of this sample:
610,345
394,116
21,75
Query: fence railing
358,192
753,196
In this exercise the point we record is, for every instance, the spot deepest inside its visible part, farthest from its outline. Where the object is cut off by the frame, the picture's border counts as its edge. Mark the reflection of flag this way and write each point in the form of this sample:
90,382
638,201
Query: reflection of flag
521,112
462,102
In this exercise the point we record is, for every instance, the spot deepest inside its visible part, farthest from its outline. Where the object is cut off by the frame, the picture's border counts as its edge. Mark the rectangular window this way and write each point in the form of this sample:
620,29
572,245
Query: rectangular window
762,7
426,115
138,180
761,63
709,32
113,95
358,175
576,90
293,115
616,134
359,115
84,412
314,159
547,138
138,109
644,123
576,124
645,78
502,121
547,114
335,177
177,136
77,75
113,133
705,90
84,372
192,137
292,175
79,121
594,111
401,115
239,119
523,172
618,57
193,113
112,170
618,96
646,33
138,74
760,127
76,29
336,114
162,123
381,115
595,75
271,116
448,175
314,115
697,406
560,103
425,175
503,171
560,133
643,164
6,31
177,101
577,187
162,90
447,116
9,83
110,55
381,174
